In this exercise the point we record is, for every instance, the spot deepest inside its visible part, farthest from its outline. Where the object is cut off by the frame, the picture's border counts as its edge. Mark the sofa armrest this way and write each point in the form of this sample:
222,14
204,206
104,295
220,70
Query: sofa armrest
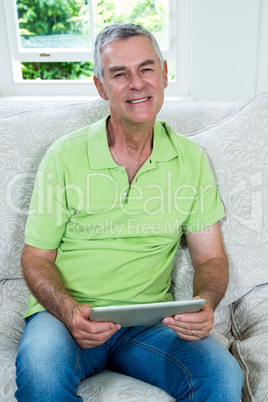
250,347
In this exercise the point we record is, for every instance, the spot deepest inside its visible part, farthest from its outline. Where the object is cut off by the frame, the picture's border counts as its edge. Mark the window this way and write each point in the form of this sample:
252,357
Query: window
52,41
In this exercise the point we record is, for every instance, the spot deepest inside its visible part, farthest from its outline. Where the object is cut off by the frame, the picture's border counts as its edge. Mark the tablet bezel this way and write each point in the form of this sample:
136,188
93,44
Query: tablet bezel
144,314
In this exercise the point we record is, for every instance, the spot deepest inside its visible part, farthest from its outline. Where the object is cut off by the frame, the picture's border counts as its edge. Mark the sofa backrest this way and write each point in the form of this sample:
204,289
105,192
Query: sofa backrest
27,129
237,149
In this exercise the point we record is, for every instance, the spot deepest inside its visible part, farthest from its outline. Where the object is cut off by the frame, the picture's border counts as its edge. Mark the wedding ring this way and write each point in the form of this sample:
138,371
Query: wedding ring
192,333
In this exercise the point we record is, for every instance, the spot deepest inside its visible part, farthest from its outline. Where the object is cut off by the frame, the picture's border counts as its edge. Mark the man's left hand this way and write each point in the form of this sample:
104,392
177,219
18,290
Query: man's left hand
192,326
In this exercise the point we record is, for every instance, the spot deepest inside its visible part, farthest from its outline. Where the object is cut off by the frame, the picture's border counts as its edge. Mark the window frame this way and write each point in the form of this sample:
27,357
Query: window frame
179,17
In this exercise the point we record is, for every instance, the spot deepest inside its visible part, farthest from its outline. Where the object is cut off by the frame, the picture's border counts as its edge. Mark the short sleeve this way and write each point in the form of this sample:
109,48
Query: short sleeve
207,207
48,213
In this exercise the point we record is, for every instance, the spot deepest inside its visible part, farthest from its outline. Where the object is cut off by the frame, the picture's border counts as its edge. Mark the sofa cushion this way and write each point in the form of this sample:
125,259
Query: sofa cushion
188,118
110,386
27,129
237,149
13,301
250,328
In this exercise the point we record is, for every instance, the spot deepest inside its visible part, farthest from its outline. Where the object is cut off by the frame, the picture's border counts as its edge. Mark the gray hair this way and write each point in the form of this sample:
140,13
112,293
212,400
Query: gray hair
116,32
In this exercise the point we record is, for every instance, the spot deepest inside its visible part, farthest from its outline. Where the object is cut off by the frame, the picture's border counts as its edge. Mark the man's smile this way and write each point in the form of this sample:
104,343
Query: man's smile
139,100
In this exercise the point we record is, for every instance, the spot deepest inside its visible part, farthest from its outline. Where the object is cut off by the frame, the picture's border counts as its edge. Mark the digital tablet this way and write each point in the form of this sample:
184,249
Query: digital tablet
144,314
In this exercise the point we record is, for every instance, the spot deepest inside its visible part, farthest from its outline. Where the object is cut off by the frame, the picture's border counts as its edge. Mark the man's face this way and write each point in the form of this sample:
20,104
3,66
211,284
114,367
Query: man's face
134,80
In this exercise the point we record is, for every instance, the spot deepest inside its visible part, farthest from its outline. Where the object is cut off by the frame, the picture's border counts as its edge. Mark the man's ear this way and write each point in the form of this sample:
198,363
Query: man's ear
100,89
165,72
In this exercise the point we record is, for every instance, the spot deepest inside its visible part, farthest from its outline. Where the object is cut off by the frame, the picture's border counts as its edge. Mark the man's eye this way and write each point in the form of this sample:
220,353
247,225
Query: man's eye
118,75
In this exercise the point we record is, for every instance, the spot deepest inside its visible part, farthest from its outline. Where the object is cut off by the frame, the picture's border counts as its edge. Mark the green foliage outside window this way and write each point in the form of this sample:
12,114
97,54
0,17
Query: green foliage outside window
70,17
57,71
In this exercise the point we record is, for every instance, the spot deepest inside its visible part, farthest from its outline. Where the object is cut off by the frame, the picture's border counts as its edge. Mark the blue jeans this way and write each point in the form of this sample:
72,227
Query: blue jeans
50,365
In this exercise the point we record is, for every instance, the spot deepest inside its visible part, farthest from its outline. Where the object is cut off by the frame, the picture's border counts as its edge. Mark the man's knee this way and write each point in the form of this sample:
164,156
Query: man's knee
46,360
222,379
227,381
215,376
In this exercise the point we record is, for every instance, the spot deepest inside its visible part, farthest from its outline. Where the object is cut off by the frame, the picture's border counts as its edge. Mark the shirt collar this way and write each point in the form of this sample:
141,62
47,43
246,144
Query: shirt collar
99,153
163,149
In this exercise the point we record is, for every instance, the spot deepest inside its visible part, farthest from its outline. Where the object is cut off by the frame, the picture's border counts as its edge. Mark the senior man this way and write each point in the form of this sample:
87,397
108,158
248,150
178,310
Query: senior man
115,198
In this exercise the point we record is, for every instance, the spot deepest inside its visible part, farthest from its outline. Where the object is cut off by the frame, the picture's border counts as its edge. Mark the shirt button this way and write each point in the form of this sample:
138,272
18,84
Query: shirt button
124,194
119,171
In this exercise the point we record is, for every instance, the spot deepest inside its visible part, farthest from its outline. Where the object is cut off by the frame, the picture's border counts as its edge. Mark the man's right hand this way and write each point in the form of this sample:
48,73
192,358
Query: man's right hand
45,283
87,333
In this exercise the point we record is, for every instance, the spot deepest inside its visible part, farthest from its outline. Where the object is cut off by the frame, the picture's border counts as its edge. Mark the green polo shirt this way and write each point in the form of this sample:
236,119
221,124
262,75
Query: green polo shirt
116,244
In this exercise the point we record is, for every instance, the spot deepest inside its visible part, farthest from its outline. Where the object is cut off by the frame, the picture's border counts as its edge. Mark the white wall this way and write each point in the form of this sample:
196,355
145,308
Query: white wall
228,48
229,41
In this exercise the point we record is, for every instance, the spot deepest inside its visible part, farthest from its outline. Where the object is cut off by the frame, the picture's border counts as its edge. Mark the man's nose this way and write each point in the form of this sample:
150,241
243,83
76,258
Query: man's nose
136,82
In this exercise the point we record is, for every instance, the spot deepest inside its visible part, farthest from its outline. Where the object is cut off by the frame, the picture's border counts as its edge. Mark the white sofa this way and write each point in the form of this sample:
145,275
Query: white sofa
234,137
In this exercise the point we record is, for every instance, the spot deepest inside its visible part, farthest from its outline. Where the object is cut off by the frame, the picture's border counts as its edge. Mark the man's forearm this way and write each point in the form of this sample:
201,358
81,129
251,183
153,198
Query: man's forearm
44,281
211,279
